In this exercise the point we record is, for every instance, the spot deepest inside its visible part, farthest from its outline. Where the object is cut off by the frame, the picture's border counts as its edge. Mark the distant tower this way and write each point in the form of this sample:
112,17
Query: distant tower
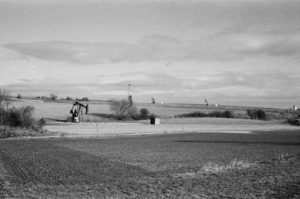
129,95
130,100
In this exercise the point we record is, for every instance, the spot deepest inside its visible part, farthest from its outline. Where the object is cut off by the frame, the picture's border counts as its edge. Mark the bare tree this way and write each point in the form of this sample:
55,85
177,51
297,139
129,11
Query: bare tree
4,102
53,97
68,98
122,108
5,99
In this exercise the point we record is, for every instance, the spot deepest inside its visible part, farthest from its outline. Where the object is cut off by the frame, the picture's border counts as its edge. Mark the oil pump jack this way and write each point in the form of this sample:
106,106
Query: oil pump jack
77,111
206,102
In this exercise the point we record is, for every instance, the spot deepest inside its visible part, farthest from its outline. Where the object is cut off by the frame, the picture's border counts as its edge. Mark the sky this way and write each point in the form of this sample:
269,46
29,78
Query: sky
233,52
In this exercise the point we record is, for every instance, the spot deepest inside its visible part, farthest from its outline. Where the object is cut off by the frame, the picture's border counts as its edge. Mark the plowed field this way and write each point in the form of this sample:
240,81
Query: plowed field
260,165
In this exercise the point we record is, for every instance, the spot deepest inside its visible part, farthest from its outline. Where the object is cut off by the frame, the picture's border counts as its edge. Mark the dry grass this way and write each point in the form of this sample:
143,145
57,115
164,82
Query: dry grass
16,132
211,167
216,121
234,164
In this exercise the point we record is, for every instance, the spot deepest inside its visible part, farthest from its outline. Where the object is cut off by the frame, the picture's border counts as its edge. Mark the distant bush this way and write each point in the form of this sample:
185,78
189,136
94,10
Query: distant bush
5,98
241,116
144,113
84,99
42,122
13,118
69,98
193,114
215,114
257,114
20,117
295,122
2,115
122,109
273,116
289,115
69,119
53,97
19,96
223,114
227,114
152,116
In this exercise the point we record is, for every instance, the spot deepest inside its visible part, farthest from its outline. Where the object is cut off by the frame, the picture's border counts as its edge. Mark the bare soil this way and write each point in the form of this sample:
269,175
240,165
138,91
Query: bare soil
260,165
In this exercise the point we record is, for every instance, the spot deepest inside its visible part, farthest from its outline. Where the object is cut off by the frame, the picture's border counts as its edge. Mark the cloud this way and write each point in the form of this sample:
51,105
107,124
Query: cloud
155,48
150,49
272,46
260,28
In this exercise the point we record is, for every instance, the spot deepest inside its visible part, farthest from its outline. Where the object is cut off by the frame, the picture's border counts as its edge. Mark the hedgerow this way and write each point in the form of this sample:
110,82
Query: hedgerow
221,114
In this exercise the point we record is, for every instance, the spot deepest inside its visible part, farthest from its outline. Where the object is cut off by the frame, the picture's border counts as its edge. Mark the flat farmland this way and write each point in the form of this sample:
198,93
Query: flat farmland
60,110
206,165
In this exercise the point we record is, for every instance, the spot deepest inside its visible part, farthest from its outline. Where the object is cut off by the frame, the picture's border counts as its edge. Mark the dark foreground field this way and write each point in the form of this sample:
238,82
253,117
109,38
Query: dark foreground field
260,165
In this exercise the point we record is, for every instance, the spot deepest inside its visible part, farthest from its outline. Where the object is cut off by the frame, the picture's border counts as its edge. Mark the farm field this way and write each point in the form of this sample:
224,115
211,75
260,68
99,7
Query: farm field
95,125
195,165
60,110
180,158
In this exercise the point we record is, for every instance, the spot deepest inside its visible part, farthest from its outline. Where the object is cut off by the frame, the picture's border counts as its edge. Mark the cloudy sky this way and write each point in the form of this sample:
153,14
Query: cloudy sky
237,52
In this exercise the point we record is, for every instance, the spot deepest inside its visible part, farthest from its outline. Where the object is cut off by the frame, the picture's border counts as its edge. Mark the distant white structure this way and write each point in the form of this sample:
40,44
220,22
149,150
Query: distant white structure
294,108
